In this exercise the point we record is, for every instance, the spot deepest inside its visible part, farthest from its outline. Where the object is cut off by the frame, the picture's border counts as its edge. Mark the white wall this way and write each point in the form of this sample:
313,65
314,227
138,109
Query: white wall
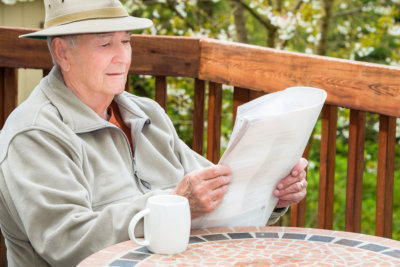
27,15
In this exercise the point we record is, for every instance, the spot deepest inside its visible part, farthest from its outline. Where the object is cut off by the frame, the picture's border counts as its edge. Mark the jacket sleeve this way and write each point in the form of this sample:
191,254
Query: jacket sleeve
276,215
53,201
189,158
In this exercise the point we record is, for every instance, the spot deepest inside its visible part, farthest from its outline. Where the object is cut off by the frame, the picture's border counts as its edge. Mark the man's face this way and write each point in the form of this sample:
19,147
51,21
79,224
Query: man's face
99,63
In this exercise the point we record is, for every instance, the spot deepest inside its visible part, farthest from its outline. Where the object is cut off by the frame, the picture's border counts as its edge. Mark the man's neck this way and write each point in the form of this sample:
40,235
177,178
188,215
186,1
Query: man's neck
99,103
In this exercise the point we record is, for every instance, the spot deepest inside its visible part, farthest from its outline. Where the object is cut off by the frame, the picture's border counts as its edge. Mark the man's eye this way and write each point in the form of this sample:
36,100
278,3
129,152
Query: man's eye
126,41
105,45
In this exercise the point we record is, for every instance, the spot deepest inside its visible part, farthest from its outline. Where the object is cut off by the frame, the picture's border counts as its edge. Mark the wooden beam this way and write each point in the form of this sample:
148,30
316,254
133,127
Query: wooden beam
45,72
23,53
327,167
350,84
128,84
298,211
198,116
3,251
240,96
161,91
165,55
214,122
9,91
256,94
384,189
355,167
8,102
2,100
151,55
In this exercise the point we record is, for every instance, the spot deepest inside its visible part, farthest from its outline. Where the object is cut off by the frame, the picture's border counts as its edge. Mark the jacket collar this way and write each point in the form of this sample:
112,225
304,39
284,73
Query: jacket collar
74,113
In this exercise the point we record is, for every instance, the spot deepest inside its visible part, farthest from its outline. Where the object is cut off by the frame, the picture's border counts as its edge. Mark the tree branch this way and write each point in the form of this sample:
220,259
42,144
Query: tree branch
348,12
173,8
272,30
359,9
240,22
263,21
278,5
297,5
327,7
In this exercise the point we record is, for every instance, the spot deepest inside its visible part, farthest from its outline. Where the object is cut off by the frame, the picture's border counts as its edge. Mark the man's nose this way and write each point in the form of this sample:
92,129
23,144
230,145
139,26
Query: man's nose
122,54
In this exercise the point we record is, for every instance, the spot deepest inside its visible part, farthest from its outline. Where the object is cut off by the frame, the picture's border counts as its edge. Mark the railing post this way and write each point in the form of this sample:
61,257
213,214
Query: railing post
327,167
384,188
128,83
355,164
198,116
298,211
8,101
8,92
45,72
240,96
2,100
214,122
161,91
3,251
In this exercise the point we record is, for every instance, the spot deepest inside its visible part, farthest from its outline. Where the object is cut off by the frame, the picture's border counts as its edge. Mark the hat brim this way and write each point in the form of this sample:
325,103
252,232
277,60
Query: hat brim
93,26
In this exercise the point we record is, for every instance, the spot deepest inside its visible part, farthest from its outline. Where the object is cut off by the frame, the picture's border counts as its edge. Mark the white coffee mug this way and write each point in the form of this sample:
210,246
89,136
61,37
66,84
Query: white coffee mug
166,224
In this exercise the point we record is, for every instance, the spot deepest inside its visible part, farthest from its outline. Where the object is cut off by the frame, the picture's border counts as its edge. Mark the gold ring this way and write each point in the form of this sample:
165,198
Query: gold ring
302,185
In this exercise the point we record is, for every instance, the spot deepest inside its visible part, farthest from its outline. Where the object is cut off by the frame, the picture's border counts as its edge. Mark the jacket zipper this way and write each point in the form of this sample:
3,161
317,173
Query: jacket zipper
135,174
139,181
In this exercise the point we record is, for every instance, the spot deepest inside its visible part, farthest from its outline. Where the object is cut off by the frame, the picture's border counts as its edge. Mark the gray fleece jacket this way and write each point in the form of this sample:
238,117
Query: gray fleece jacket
69,184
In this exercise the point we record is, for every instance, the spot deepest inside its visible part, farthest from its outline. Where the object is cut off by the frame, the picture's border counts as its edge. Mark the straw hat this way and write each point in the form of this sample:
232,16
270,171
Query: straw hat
64,17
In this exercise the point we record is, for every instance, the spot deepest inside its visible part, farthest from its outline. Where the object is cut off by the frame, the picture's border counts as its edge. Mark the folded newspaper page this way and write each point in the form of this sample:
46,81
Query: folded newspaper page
268,139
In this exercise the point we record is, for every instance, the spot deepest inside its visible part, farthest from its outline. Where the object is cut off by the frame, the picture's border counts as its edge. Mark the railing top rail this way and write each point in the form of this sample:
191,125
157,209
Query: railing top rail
356,85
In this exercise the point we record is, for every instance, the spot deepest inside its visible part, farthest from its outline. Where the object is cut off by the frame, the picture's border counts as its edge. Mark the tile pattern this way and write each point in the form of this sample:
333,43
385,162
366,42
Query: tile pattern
260,246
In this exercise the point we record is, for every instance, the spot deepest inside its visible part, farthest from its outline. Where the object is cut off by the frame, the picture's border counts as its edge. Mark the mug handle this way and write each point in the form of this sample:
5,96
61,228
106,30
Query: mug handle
132,225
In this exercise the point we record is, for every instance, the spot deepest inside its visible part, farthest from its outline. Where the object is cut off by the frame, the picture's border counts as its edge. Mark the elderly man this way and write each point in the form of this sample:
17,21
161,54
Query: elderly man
80,157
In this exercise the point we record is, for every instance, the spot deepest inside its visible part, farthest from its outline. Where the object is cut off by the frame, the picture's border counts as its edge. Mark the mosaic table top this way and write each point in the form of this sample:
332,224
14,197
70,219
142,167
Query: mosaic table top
260,246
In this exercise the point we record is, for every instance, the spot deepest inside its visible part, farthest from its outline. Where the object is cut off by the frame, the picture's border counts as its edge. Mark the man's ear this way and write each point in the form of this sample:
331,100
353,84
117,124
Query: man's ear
59,49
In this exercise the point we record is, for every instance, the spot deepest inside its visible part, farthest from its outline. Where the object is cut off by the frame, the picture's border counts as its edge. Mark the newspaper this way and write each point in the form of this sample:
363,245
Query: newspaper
268,139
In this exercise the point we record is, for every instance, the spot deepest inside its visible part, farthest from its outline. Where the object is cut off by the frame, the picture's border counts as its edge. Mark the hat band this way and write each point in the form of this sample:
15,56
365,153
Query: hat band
91,14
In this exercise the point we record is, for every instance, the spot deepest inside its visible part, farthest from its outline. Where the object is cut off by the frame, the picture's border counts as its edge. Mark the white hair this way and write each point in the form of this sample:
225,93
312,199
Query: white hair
71,40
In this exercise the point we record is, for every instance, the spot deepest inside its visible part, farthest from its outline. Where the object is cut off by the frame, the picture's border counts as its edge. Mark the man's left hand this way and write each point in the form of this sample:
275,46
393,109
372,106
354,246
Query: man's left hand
293,188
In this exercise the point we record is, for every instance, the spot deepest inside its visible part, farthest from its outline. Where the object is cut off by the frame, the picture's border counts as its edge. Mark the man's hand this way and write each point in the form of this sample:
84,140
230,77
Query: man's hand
293,188
205,188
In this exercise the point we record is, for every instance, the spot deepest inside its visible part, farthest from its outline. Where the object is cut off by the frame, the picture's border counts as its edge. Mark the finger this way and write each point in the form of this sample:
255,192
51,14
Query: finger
299,167
289,180
214,171
218,194
286,203
219,181
293,198
293,188
210,201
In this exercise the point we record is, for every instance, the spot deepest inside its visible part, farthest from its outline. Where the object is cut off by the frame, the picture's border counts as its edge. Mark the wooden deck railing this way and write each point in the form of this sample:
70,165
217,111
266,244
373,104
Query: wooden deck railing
252,71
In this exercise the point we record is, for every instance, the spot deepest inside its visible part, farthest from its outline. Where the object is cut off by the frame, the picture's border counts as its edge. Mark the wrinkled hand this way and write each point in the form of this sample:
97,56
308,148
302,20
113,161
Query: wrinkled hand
205,188
293,188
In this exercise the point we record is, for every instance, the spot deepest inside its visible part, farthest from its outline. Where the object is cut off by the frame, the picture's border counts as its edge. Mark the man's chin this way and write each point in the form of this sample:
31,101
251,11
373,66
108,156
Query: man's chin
120,90
119,86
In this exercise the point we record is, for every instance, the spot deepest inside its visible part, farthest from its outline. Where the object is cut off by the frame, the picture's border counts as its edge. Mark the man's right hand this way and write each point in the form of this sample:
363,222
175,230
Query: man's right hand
205,188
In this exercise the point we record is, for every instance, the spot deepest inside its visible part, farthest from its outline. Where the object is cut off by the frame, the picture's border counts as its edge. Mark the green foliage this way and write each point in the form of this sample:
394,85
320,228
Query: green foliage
180,106
363,30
